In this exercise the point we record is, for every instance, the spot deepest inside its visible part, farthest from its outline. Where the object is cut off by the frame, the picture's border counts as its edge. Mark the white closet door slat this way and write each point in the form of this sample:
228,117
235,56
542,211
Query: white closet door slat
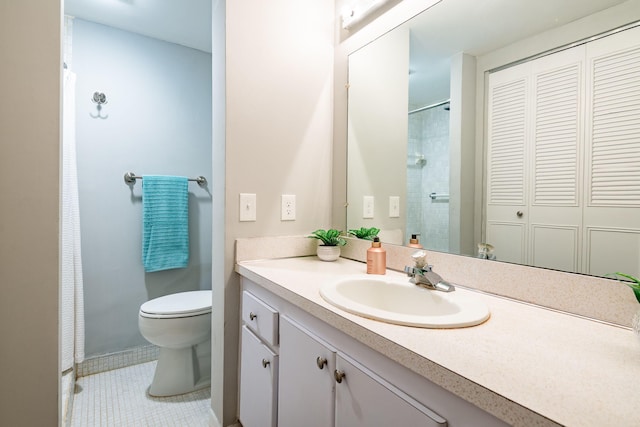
556,126
615,149
507,143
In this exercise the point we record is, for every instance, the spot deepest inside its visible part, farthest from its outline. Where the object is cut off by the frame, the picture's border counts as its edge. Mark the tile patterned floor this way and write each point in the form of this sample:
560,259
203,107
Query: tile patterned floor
119,398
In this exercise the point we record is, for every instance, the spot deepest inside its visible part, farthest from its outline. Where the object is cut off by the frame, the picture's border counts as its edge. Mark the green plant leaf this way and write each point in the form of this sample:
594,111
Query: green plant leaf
634,284
365,233
329,237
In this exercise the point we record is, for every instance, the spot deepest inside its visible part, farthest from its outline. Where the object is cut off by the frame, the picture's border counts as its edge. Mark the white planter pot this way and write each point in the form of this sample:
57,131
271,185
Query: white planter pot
328,253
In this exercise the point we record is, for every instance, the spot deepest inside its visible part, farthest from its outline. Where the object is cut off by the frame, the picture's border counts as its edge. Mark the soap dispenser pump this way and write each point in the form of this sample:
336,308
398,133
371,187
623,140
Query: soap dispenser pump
376,258
414,243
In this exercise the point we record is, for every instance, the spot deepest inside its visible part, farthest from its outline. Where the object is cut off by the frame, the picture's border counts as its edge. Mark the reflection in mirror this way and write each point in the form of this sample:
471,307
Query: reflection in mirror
420,131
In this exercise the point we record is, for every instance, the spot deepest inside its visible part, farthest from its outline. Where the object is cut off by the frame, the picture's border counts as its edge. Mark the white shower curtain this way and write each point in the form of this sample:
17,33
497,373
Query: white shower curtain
72,300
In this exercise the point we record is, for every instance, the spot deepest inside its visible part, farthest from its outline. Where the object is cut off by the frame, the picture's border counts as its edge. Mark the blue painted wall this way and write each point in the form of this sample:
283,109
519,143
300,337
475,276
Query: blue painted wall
157,121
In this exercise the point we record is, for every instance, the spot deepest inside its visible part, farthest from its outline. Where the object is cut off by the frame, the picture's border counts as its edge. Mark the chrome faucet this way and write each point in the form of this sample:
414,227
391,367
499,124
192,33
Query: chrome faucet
423,275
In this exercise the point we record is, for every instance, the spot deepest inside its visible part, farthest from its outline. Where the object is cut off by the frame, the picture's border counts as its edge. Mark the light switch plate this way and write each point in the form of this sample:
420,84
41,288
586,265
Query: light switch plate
288,211
394,206
247,207
367,207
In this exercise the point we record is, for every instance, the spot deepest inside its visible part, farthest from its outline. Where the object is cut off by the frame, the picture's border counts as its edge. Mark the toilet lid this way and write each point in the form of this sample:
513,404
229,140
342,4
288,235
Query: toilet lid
181,304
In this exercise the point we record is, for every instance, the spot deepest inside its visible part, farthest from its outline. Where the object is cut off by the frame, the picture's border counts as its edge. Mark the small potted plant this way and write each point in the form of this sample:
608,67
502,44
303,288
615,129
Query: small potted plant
329,243
365,233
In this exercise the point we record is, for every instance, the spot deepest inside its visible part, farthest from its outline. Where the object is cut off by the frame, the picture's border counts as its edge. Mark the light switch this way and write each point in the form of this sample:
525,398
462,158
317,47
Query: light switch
394,207
247,207
367,207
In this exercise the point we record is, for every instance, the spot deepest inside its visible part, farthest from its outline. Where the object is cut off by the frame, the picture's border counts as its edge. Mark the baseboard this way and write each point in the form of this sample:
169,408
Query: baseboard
213,420
122,359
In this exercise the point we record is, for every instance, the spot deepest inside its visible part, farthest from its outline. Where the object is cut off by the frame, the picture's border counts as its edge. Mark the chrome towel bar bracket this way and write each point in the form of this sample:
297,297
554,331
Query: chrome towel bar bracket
130,179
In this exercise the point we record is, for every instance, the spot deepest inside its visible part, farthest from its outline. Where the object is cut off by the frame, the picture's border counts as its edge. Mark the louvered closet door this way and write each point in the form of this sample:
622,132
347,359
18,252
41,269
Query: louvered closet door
508,124
534,161
612,212
555,160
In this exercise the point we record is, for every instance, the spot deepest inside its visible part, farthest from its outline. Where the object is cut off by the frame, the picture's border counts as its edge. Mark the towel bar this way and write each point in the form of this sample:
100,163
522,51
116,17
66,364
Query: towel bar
130,178
439,196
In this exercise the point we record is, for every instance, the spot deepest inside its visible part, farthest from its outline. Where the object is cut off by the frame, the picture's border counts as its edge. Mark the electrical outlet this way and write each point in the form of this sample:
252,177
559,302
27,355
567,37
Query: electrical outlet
367,207
394,206
288,211
247,207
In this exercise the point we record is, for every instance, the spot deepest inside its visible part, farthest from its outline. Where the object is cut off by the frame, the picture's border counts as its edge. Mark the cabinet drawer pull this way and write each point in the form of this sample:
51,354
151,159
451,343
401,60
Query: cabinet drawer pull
339,375
321,362
519,213
252,316
265,363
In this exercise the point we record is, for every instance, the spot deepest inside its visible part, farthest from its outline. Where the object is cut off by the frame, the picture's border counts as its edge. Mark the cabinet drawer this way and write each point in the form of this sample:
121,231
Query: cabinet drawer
260,318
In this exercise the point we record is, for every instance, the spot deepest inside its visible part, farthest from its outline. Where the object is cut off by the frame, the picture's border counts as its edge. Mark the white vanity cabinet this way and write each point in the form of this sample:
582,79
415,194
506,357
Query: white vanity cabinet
258,364
329,379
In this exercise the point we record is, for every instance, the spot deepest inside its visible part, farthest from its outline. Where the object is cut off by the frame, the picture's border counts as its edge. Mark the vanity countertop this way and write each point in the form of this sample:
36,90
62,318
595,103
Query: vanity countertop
526,365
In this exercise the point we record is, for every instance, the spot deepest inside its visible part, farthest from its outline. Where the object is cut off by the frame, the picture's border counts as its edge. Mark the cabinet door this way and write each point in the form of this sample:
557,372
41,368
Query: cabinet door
258,382
365,400
306,386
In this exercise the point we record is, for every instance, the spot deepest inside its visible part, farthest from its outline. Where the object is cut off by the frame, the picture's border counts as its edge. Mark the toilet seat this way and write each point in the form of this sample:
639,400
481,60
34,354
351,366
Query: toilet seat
183,304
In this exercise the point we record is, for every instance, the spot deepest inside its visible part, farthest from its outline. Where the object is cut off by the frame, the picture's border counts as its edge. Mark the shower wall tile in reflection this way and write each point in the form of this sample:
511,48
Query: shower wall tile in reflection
429,136
414,178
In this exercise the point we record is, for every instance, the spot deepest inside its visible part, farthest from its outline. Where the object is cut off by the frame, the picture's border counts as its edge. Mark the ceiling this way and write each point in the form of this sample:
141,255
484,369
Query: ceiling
187,23
472,26
477,27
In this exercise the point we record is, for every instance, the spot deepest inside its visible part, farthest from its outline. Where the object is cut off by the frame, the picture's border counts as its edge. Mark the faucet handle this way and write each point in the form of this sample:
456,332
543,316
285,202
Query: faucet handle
411,271
420,259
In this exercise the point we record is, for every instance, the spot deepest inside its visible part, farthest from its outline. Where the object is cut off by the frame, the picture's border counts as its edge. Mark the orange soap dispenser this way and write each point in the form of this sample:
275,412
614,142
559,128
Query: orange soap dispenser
414,243
376,258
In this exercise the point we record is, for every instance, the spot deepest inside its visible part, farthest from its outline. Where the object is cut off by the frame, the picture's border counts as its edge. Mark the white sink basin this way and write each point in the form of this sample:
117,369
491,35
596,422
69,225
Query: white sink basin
401,302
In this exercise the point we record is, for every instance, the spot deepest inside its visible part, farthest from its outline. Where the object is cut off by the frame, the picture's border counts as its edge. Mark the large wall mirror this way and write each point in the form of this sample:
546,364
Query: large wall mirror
503,122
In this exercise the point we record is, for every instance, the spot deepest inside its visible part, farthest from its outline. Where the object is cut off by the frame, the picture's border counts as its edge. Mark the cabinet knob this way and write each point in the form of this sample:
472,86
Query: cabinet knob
252,316
265,363
519,213
339,375
321,362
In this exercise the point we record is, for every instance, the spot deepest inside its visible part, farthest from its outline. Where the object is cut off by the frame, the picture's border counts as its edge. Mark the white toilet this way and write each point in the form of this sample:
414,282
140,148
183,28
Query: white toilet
180,324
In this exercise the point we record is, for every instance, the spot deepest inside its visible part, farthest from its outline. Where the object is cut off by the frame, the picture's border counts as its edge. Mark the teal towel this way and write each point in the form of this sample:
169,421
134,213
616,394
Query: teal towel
165,222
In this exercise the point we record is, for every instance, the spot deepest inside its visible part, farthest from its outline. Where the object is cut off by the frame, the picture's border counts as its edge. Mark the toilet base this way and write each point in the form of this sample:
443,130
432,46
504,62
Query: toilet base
179,371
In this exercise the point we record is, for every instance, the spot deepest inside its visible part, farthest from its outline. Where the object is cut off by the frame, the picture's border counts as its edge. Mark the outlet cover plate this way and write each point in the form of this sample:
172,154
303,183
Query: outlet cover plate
367,207
288,211
394,206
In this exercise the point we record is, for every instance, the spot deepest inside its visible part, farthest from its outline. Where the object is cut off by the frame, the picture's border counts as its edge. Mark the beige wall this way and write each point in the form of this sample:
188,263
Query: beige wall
29,187
394,13
279,92
377,130
462,145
